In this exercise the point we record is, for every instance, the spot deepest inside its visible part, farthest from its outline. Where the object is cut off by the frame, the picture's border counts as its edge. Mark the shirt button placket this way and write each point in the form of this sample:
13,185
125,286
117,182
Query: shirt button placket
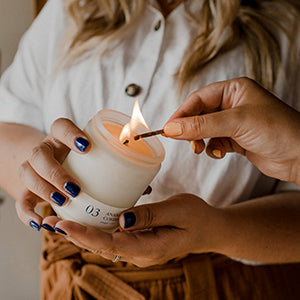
148,57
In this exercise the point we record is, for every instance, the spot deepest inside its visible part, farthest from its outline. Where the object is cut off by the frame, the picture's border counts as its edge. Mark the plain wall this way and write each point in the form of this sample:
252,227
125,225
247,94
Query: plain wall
19,245
15,17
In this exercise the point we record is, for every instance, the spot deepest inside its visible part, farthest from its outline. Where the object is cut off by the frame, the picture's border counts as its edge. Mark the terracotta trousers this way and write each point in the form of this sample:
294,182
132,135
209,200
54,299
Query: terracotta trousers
71,273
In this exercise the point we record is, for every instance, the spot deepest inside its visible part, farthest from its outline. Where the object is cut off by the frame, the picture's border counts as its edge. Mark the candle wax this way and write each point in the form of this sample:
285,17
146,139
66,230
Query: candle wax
139,146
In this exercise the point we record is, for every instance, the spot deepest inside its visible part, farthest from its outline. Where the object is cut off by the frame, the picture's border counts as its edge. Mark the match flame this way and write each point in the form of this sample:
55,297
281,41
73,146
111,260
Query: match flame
137,120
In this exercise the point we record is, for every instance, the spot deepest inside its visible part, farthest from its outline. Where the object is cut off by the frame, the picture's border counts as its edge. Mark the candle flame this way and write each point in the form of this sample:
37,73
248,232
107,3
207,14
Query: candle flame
137,120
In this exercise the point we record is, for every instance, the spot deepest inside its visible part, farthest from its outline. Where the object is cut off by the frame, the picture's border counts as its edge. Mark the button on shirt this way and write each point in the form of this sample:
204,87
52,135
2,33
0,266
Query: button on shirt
33,93
132,90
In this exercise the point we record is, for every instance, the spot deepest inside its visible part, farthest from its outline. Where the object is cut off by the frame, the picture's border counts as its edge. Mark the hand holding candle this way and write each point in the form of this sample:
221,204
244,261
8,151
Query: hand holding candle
98,180
113,176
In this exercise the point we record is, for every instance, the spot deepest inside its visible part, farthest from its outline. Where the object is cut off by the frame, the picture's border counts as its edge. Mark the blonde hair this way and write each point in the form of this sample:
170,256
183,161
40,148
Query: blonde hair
223,24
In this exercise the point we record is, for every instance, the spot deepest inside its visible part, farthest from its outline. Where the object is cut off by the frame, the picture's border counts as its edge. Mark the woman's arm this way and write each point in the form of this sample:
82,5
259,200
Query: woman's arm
17,142
266,229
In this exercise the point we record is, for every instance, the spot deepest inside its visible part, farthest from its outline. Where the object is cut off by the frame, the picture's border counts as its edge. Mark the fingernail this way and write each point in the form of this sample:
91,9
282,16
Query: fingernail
59,230
173,129
217,153
34,225
129,219
81,144
193,145
72,188
48,227
58,198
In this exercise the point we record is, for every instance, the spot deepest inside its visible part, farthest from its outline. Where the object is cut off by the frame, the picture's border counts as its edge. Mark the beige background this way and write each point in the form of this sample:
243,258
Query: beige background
19,245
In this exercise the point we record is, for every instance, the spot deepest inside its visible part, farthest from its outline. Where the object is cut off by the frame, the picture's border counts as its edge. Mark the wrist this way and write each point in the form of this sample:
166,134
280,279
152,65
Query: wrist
224,233
219,232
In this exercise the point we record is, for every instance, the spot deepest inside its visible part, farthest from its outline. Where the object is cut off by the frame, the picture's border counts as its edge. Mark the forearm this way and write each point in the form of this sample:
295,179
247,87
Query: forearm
17,141
265,229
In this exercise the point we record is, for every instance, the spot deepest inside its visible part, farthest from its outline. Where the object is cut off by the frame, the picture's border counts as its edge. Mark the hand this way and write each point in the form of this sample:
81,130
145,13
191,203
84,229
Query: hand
240,116
45,178
154,233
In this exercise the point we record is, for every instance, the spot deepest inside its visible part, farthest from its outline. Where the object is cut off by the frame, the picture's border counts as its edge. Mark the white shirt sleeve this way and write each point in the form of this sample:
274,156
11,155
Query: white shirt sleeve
22,85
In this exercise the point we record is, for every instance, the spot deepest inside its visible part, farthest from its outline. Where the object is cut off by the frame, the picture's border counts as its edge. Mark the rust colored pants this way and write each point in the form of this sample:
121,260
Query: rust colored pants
71,273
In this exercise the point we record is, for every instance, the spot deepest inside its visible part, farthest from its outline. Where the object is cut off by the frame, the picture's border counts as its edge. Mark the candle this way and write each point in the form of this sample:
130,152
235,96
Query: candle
112,175
138,146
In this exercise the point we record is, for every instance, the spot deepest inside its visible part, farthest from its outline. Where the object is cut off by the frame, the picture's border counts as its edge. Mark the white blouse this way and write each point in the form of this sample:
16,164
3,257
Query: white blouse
32,93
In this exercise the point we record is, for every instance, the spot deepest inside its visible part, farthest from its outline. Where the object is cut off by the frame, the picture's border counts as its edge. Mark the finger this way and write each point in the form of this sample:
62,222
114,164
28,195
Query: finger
25,210
47,167
140,248
88,237
213,97
64,131
192,106
49,223
219,124
197,146
208,99
154,215
40,187
218,147
99,242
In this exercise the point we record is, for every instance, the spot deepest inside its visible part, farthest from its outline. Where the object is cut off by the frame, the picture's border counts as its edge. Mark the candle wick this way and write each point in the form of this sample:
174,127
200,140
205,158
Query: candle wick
125,142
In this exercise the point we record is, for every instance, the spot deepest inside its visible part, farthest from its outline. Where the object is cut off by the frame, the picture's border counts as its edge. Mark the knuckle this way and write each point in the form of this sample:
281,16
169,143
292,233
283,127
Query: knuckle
39,189
36,152
245,80
58,123
64,130
22,169
197,125
148,217
158,255
54,174
95,251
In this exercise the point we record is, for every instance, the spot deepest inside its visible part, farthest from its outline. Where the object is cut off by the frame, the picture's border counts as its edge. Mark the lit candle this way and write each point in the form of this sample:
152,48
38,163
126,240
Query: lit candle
112,175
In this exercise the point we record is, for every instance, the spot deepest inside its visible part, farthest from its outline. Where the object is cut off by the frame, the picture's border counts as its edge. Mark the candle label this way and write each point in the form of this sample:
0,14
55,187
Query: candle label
86,210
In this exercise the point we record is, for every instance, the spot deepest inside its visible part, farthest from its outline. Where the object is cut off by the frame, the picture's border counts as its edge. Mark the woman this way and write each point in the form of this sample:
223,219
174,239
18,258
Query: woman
105,55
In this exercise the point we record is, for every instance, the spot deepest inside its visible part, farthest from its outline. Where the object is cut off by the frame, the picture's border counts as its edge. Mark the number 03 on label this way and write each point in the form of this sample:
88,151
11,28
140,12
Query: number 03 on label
91,210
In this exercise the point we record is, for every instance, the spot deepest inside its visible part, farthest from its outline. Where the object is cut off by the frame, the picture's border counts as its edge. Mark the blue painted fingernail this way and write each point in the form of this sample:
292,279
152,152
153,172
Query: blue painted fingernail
72,188
34,225
81,144
129,219
58,198
59,230
48,227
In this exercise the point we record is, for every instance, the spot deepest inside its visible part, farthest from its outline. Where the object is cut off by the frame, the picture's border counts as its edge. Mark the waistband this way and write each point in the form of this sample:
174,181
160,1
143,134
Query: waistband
98,276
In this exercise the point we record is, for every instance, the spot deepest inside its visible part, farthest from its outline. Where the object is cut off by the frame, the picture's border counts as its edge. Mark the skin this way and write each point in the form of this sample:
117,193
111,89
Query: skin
240,116
264,229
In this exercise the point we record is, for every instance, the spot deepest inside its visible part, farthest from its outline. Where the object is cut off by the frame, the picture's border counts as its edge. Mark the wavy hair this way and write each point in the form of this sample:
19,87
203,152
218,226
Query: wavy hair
223,24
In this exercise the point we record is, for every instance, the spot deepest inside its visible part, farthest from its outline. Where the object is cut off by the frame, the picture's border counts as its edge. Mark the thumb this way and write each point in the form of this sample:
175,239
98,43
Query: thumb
218,124
152,215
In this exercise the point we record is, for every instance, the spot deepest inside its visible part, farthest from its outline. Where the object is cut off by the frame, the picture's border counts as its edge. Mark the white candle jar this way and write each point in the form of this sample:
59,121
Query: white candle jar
112,175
